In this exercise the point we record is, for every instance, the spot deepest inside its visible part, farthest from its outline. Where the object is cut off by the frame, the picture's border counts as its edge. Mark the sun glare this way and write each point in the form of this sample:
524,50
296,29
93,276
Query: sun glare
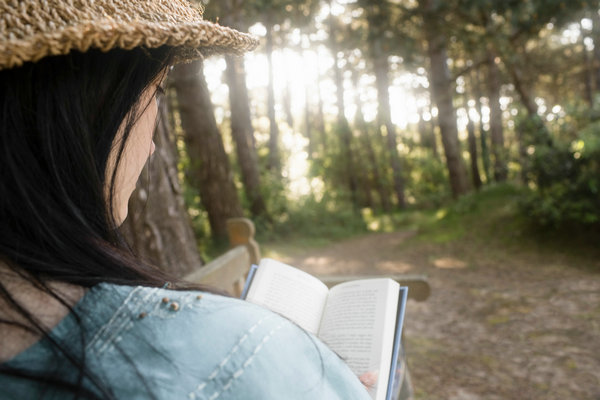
303,78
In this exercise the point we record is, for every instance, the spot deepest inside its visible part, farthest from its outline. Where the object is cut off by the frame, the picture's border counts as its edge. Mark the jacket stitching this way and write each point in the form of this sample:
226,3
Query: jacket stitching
120,322
240,371
211,377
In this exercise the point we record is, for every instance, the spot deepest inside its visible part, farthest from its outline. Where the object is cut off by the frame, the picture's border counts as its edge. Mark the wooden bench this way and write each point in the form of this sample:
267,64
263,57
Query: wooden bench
228,271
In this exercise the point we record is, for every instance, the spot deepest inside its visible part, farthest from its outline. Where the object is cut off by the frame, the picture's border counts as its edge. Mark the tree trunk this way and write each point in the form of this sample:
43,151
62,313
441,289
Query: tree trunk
343,126
596,38
243,134
385,119
287,104
588,76
523,156
442,92
363,177
321,117
158,226
427,134
307,125
274,161
496,131
209,170
542,134
380,187
473,153
485,154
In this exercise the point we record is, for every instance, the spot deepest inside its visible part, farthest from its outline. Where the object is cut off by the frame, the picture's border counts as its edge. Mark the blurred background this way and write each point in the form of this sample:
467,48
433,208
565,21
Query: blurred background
458,139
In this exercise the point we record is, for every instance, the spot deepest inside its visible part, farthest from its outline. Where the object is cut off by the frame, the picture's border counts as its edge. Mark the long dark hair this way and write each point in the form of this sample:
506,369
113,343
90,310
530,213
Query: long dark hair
58,122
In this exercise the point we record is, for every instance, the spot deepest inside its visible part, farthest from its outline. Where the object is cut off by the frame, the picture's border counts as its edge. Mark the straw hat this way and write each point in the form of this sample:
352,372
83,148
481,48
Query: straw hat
34,29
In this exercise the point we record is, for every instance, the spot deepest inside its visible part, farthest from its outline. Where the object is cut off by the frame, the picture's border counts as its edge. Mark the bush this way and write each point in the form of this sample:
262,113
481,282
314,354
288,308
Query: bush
567,181
330,218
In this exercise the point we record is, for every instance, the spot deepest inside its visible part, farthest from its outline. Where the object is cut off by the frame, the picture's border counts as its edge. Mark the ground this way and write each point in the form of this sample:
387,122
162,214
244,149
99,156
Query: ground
501,322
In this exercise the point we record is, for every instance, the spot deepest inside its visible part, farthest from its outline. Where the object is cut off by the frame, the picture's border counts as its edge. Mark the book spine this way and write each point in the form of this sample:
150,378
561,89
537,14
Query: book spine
395,379
249,279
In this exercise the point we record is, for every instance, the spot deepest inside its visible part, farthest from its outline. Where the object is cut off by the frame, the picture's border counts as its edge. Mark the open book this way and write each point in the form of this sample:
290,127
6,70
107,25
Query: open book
360,320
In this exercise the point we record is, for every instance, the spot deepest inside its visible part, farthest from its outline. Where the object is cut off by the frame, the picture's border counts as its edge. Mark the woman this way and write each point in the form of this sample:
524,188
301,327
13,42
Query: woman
79,315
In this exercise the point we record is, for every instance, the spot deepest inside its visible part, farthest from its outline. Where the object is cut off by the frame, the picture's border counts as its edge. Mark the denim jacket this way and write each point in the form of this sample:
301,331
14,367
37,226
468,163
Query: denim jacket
144,343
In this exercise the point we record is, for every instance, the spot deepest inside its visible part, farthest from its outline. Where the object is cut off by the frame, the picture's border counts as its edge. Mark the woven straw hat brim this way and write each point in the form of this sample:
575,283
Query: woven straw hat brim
33,29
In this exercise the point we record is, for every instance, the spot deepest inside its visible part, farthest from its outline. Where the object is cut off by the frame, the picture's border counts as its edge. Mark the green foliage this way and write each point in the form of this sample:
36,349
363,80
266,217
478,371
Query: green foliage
427,182
567,182
489,213
314,220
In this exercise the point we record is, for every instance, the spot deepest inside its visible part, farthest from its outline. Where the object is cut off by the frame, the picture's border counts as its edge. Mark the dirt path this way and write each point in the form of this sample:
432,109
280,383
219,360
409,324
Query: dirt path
497,325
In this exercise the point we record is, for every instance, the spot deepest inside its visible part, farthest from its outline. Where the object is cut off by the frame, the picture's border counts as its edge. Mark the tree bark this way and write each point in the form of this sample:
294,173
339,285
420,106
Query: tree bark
307,125
321,116
243,134
287,105
343,126
385,118
427,134
158,226
587,76
209,170
485,154
274,161
542,134
496,130
442,92
523,156
596,56
380,187
473,153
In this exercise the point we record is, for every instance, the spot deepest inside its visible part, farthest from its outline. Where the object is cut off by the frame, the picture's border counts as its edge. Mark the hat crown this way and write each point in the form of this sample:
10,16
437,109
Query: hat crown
21,19
33,29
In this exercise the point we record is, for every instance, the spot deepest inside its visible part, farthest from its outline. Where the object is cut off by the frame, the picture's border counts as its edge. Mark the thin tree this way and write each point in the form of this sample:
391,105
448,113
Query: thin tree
343,127
483,134
427,134
367,143
384,116
472,140
442,92
243,134
274,160
496,130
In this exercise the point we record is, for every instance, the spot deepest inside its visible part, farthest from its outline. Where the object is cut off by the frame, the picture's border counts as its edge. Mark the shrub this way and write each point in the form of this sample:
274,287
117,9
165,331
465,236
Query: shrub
567,181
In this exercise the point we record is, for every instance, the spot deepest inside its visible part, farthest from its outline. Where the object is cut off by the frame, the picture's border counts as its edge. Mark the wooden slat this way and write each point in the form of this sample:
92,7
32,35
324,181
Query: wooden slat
226,272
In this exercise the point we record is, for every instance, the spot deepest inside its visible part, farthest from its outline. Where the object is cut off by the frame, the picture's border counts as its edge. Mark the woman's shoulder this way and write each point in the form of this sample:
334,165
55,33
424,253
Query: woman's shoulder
153,342
203,345
164,315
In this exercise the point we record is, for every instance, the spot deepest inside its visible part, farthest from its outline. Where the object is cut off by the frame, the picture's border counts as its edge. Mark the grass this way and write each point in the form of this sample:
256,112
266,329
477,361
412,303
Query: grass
493,216
490,218
312,224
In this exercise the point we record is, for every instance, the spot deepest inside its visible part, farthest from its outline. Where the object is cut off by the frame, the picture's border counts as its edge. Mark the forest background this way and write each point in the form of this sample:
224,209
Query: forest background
353,114
458,139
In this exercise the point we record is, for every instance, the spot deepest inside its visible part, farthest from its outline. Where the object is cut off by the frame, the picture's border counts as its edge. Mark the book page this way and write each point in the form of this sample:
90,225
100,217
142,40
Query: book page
290,292
358,323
